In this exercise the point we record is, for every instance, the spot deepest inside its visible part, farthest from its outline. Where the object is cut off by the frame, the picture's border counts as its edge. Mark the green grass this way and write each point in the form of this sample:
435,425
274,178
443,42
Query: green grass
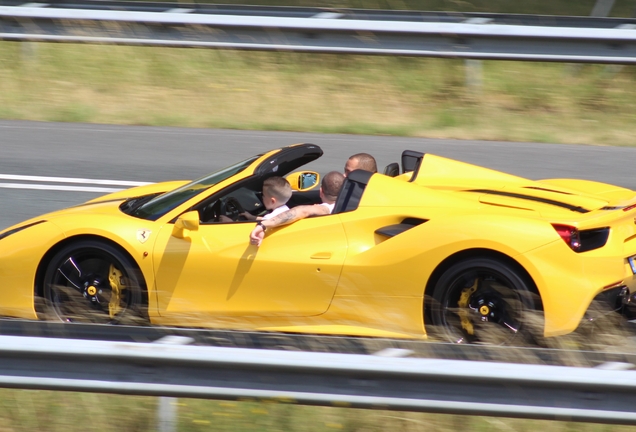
547,102
45,411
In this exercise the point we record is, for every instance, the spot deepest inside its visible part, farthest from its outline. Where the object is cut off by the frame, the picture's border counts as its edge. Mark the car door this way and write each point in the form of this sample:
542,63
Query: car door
214,270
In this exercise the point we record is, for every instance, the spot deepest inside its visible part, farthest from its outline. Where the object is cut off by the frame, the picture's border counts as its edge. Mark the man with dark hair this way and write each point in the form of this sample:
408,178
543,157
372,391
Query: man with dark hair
363,161
329,189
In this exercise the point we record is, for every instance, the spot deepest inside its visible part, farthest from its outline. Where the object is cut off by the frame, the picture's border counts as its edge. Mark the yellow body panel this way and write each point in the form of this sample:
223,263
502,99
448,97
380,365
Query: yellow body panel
338,274
217,271
18,265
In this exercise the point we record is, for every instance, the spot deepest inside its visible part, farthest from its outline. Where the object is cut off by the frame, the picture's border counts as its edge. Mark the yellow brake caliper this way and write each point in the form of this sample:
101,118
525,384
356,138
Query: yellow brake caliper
114,277
464,314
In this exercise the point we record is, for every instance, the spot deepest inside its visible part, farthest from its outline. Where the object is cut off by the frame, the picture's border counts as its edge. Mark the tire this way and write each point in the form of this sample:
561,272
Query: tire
90,281
486,301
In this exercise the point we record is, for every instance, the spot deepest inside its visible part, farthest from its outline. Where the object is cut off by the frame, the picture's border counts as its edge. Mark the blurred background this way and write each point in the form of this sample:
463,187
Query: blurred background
405,96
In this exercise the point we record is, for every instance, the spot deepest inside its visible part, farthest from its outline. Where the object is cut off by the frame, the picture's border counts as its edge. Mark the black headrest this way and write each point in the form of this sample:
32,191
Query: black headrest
392,169
351,192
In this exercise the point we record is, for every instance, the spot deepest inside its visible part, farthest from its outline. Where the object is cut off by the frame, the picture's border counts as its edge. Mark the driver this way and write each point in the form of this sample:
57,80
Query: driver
363,161
276,193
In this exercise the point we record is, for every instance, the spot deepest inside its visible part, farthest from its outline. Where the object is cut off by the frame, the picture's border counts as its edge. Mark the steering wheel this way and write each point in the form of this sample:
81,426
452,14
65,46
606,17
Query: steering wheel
231,208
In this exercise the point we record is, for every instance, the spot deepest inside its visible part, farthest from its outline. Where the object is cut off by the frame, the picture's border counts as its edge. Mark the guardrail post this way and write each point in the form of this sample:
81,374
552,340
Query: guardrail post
167,410
167,414
474,70
28,51
474,75
602,8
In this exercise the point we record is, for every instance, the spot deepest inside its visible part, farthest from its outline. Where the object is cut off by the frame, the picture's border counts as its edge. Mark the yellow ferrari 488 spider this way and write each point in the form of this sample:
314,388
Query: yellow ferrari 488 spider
432,245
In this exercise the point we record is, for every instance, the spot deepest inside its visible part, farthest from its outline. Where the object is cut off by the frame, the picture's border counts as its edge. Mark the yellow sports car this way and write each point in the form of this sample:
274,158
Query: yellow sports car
430,245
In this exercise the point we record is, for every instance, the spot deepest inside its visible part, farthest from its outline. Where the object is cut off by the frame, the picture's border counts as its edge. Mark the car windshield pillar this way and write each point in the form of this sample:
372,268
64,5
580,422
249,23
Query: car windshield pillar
162,204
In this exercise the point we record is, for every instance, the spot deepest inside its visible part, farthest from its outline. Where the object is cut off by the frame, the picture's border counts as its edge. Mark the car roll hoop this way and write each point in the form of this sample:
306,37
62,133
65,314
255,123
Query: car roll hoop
411,162
352,190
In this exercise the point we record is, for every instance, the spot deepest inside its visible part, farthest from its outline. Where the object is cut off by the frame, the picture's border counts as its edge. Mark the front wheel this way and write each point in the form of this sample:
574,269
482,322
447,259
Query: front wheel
93,282
483,300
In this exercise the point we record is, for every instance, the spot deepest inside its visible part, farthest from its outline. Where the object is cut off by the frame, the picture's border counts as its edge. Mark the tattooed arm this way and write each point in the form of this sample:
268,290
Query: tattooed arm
284,218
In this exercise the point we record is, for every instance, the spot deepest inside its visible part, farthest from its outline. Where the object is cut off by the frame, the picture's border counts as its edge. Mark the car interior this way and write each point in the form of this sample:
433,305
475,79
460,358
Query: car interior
246,196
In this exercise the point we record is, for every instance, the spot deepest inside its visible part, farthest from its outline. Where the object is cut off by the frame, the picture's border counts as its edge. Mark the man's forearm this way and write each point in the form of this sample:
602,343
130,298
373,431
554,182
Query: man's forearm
285,217
294,214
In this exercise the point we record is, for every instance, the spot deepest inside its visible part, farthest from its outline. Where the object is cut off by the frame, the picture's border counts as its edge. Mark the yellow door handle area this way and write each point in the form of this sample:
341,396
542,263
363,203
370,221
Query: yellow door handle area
321,255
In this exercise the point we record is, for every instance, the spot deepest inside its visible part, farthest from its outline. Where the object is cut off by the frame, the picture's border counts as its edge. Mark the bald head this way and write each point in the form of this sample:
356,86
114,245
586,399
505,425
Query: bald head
331,185
362,161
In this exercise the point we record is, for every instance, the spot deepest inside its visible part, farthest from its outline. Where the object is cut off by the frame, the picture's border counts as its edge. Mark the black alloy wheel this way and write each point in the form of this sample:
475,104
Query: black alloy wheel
483,300
93,282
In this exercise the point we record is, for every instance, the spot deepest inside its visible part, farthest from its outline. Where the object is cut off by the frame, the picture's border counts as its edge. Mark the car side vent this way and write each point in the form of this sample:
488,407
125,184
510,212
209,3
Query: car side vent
571,207
546,190
593,238
393,230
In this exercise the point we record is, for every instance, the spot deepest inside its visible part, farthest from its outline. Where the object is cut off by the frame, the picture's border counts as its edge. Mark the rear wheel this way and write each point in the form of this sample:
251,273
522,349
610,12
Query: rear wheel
93,282
483,300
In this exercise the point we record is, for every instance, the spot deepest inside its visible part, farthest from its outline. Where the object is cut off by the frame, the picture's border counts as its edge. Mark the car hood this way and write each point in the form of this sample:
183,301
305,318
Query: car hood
106,204
152,188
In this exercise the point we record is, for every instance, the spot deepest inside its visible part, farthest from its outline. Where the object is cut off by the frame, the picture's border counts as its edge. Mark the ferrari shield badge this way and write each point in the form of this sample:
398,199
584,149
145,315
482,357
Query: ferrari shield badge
143,235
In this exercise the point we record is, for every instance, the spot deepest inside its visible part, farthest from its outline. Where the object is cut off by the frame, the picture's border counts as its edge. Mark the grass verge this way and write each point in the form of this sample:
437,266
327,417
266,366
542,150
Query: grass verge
45,411
544,102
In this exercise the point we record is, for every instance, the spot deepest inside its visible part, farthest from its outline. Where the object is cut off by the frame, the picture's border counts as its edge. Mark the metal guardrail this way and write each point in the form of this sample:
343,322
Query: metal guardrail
601,9
325,379
471,36
580,357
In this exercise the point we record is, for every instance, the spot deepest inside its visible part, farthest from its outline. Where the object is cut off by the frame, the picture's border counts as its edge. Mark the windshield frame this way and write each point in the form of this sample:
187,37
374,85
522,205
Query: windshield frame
168,201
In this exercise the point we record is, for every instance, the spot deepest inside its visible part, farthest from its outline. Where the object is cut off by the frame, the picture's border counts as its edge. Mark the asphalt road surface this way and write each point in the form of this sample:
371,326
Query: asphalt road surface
48,166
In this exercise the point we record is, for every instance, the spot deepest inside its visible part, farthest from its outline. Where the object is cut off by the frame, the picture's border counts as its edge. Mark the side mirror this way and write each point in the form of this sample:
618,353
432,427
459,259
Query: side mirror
303,180
187,221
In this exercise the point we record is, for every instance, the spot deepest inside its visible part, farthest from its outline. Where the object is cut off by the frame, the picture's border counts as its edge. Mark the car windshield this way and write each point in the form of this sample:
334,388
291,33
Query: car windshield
162,204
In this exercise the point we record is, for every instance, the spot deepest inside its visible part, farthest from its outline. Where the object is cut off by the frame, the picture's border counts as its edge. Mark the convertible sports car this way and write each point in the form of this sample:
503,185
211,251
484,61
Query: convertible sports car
431,246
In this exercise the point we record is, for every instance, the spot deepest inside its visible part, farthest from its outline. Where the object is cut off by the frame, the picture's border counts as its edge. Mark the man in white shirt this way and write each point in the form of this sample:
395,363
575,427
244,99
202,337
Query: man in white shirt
329,189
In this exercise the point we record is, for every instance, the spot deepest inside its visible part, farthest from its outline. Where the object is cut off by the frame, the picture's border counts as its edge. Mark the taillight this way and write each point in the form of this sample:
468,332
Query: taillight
584,240
570,236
